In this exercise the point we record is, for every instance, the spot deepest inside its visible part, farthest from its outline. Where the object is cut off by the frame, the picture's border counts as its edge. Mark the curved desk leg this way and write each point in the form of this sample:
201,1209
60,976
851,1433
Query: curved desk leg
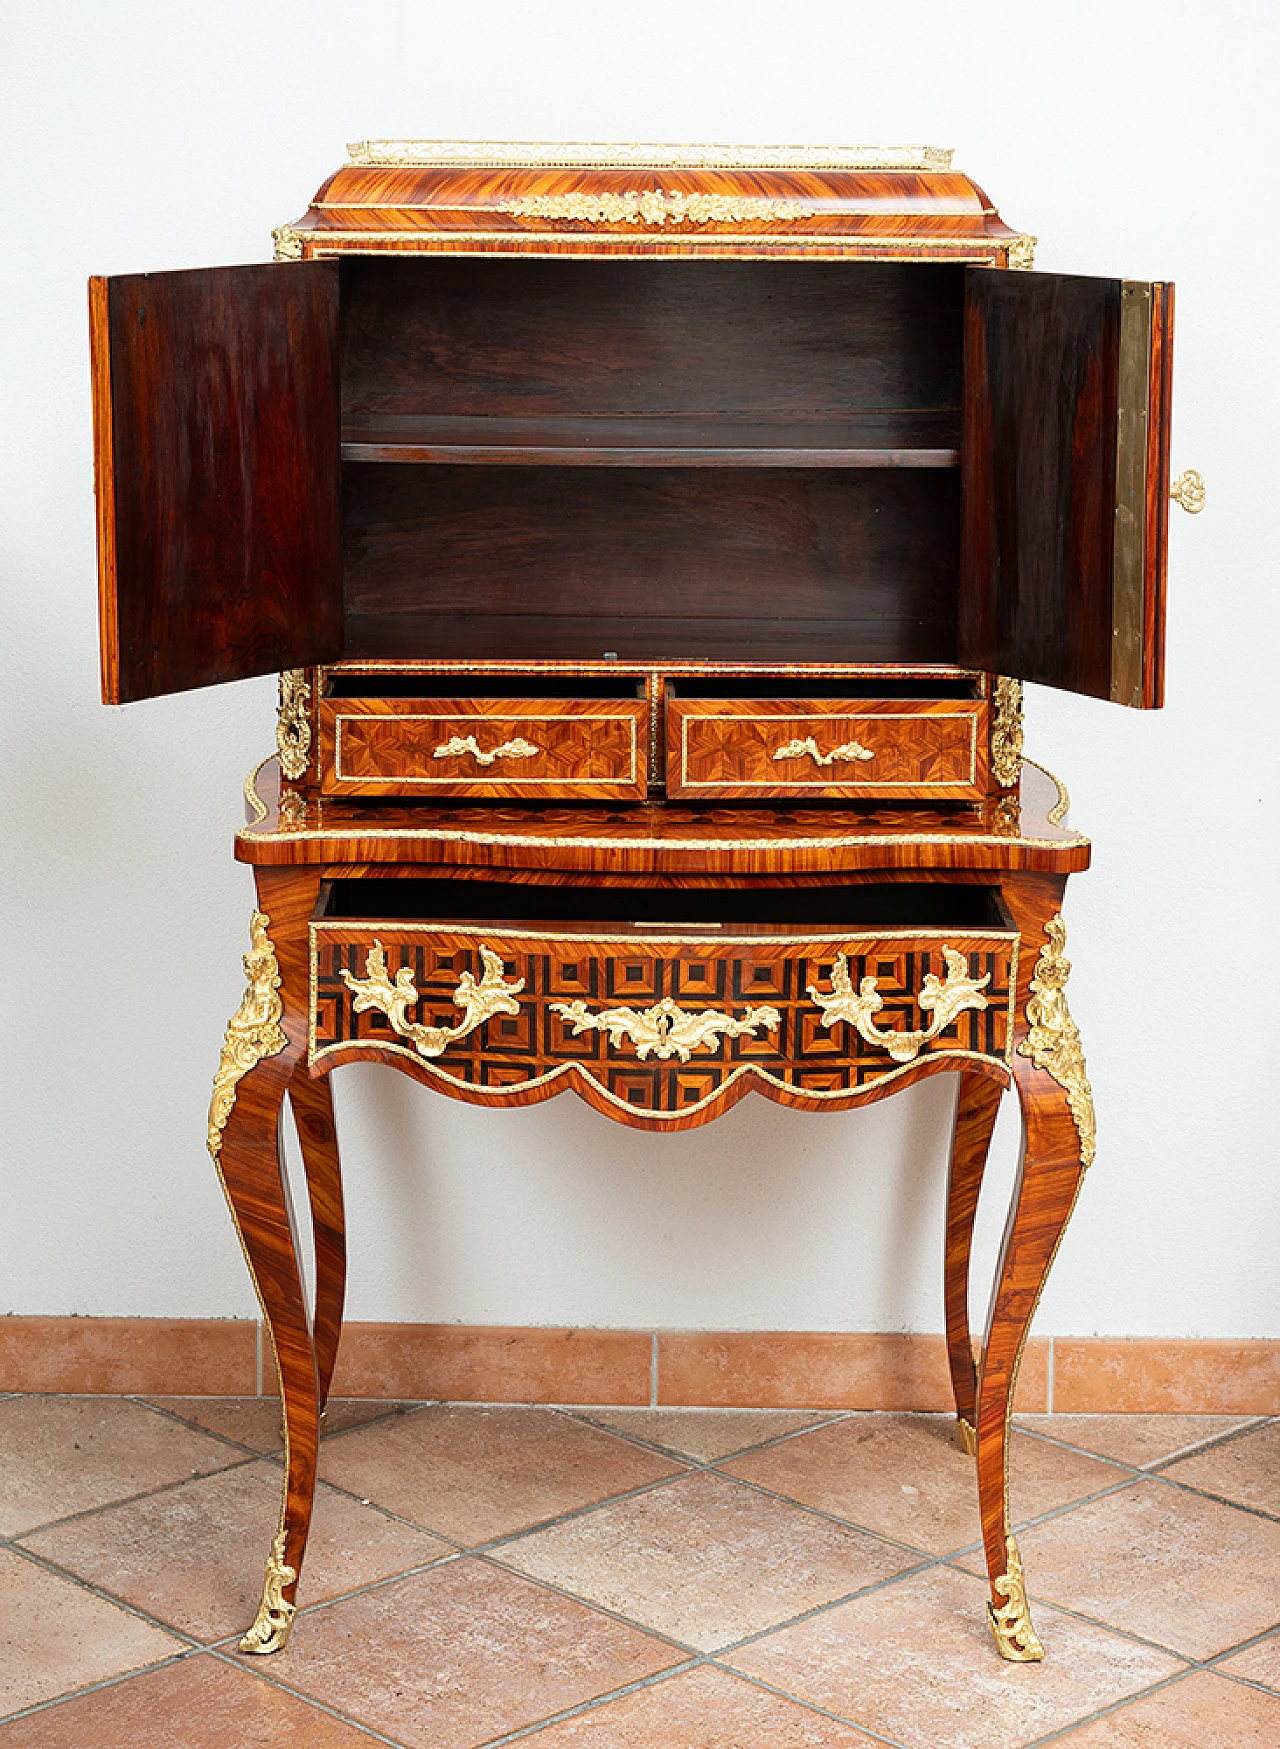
264,1042
1058,1142
312,1102
976,1111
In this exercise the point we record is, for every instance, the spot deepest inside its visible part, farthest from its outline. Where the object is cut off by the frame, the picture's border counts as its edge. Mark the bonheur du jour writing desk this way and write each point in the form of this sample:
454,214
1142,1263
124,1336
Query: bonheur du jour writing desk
653,542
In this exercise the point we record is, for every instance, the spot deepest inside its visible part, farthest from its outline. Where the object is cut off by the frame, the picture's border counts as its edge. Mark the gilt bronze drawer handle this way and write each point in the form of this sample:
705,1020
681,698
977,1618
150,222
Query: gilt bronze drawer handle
944,998
846,750
1188,491
457,745
666,1029
479,1002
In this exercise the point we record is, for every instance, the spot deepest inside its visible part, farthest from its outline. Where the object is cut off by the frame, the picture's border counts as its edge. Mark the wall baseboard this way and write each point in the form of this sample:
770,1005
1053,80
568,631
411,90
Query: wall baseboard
740,1369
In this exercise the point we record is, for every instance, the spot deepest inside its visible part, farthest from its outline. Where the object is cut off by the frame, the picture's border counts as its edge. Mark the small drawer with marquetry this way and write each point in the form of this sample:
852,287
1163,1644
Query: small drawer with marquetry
522,742
840,748
667,1020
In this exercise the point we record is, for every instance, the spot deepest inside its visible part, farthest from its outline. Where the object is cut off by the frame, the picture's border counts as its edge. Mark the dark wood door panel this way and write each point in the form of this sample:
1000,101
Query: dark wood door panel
216,436
1061,551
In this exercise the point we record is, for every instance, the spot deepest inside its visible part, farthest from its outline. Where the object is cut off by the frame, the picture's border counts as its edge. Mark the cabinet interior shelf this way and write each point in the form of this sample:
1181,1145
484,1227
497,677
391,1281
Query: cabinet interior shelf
878,439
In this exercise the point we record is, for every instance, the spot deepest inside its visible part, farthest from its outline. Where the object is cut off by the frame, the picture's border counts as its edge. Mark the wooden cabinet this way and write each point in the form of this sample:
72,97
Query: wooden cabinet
404,445
652,542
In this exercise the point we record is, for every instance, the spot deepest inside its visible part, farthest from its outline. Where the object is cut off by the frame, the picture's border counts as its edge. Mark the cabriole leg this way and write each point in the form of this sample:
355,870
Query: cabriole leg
263,1044
1058,1144
976,1111
312,1103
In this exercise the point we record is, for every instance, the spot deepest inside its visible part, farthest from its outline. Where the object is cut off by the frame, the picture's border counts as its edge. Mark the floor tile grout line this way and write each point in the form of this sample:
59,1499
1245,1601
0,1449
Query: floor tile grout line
386,1580
1218,1499
594,1704
1147,1475
1196,1449
1258,1639
507,1536
116,1681
1244,1681
1098,1457
830,1417
696,1657
396,1517
726,1646
729,1647
1114,1706
403,1409
823,1712
273,1680
220,1641
586,1418
1054,1512
133,1499
1071,1506
185,1421
853,1523
490,1552
576,1512
1215,1441
685,1465
455,1552
1132,1474
1097,1621
1037,1598
920,1556
192,1641
367,1501
650,1632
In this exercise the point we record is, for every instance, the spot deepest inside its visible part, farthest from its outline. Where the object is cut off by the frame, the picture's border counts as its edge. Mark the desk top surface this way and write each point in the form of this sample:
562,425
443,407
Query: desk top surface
1023,832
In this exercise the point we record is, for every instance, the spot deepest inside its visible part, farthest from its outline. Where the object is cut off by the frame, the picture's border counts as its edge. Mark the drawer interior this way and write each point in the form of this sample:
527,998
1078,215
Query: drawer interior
480,685
836,687
889,904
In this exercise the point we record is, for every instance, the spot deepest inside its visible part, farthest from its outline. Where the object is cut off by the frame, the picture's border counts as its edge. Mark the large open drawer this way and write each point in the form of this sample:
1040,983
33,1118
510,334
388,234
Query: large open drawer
658,1015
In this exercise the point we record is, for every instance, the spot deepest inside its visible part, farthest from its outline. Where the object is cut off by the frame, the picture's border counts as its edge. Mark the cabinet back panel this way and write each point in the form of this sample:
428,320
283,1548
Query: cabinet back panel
766,339
660,562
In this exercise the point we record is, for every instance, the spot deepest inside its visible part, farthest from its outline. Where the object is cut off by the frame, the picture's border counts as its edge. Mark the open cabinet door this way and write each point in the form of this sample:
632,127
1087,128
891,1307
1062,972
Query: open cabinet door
217,470
1066,481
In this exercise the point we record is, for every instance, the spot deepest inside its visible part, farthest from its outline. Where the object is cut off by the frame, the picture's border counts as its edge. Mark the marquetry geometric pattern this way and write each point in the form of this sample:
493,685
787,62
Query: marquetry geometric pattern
590,749
934,749
728,975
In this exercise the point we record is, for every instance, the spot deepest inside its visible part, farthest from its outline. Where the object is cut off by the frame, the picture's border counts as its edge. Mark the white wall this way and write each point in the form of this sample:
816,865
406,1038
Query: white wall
1134,138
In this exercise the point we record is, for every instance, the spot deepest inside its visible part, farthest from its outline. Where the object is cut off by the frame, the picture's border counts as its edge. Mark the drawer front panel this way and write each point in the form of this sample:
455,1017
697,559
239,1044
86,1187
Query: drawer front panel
883,748
659,1024
593,749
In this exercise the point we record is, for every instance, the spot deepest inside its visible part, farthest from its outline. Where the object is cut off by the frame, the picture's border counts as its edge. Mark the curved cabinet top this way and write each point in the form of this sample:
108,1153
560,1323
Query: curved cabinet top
468,197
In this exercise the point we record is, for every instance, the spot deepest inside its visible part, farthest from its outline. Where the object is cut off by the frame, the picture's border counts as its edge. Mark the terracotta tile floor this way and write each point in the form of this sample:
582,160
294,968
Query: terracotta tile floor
629,1579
